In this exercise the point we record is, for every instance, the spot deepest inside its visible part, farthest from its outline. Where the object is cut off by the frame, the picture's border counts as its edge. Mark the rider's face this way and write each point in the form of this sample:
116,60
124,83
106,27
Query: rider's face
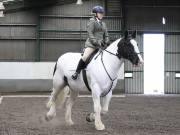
100,15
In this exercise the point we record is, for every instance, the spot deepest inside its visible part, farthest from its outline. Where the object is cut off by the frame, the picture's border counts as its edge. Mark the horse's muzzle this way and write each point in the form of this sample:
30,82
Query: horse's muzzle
140,63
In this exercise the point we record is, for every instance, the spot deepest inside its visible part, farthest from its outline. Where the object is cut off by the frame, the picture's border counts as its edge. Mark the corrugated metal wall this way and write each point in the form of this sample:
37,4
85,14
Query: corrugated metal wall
18,36
150,19
172,64
113,7
152,2
72,9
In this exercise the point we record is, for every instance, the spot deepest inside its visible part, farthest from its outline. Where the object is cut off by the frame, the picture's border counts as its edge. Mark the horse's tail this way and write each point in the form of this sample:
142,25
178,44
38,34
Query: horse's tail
61,97
55,67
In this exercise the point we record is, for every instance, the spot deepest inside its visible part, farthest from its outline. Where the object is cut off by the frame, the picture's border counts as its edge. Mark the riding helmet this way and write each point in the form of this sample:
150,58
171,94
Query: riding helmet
98,9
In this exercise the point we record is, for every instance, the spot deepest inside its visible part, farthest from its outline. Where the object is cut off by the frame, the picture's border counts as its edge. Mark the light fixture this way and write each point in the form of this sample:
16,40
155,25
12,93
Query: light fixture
163,20
2,8
79,2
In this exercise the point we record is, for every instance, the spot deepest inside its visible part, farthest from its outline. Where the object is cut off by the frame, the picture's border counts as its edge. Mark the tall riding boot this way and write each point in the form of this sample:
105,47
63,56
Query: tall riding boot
81,65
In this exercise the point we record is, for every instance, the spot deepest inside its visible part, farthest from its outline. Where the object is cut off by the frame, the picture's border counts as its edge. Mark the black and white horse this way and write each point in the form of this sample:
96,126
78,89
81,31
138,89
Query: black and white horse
102,73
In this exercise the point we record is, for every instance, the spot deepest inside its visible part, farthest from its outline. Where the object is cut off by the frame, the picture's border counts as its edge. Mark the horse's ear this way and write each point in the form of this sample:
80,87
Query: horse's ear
126,34
133,34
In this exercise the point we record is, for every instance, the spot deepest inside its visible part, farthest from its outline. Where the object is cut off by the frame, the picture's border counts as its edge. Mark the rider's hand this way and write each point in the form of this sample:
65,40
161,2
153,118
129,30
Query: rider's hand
99,43
107,43
103,44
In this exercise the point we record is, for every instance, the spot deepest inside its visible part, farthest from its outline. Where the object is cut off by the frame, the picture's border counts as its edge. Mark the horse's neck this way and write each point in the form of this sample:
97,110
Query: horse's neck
113,46
112,62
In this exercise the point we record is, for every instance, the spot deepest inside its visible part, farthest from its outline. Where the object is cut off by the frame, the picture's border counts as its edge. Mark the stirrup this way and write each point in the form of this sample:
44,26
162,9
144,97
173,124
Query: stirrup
75,76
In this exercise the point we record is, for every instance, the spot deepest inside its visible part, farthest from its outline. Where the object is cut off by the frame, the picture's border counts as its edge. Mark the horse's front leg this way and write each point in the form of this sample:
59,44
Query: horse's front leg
69,104
105,105
105,102
97,107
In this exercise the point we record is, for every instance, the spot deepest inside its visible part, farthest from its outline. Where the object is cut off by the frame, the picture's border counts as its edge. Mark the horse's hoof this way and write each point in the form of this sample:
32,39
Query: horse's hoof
104,112
90,117
69,123
48,117
100,127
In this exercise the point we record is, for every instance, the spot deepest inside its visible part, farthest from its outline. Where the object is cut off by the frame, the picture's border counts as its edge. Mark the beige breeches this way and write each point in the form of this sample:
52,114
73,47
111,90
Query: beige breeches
87,52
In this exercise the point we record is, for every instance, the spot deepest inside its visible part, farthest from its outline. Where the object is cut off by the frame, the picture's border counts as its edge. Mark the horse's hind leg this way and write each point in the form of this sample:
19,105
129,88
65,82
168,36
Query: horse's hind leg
69,104
58,85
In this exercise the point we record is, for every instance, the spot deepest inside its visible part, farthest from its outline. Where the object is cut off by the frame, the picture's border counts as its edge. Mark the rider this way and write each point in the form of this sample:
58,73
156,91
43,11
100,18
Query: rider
97,37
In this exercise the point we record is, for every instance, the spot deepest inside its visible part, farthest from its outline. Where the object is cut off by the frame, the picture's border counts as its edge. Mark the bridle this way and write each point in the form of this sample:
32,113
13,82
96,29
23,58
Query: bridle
101,51
110,52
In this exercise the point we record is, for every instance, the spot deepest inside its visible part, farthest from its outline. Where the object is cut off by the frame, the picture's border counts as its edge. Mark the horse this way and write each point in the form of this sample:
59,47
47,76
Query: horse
102,75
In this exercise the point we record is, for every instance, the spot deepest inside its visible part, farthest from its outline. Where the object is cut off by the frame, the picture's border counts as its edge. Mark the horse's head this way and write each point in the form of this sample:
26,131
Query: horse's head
128,49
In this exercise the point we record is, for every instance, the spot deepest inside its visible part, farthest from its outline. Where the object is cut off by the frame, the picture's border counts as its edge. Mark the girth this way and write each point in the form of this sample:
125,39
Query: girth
85,79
